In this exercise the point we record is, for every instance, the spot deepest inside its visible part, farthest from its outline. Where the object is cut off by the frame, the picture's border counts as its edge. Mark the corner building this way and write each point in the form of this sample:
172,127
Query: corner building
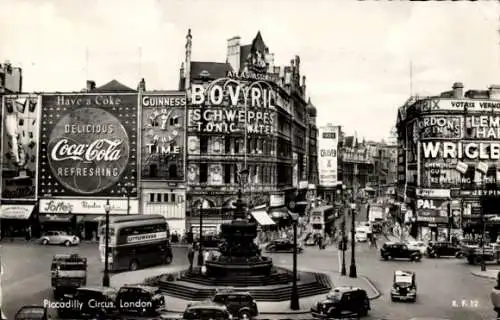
449,161
246,113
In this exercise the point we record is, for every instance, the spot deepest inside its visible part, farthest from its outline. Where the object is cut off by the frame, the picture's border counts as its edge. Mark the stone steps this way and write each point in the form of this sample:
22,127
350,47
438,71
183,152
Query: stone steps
320,284
243,281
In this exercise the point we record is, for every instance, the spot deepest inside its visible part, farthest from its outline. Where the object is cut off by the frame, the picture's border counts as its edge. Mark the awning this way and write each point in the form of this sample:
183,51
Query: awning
262,218
279,213
16,211
56,218
91,218
369,189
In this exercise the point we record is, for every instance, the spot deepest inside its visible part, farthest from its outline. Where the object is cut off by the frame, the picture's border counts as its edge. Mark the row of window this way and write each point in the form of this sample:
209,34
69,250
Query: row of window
237,145
173,198
256,173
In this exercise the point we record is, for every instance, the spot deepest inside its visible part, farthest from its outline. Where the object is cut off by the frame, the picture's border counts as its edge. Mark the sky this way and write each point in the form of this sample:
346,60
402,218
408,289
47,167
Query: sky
362,59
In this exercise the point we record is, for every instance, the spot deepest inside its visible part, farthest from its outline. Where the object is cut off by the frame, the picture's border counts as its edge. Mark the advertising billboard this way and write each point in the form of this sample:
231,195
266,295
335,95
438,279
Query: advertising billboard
163,136
327,157
459,150
444,104
88,145
19,146
432,210
248,106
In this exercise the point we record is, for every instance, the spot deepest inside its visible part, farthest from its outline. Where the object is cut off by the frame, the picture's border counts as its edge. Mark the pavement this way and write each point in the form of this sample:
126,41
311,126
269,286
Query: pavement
488,274
176,305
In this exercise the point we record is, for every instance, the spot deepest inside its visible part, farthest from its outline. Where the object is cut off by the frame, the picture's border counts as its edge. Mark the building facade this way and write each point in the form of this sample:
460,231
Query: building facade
357,169
245,113
163,156
448,161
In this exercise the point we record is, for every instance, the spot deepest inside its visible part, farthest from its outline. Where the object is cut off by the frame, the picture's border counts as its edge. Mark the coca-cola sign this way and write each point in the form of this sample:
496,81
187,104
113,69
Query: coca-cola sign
88,147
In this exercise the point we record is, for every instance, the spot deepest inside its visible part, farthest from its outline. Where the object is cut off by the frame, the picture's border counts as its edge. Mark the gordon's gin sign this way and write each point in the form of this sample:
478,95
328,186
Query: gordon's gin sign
90,148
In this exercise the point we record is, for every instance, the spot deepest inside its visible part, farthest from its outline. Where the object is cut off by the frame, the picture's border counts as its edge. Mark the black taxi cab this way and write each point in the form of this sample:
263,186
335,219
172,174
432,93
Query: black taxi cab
342,302
404,286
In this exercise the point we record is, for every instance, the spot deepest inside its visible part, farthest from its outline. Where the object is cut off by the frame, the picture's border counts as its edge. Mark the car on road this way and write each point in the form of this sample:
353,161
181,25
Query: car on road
282,245
399,250
32,313
342,302
140,299
59,237
443,249
361,235
404,286
417,245
241,305
206,310
89,303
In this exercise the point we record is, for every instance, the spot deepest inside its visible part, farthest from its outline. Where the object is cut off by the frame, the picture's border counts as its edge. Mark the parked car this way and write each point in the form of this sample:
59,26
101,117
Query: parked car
139,299
90,303
32,313
361,235
418,245
241,305
282,245
59,237
443,249
399,250
342,302
206,310
404,286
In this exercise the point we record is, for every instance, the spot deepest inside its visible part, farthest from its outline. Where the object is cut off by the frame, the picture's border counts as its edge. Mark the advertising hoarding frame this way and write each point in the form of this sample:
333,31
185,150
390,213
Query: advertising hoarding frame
99,195
322,131
184,130
38,128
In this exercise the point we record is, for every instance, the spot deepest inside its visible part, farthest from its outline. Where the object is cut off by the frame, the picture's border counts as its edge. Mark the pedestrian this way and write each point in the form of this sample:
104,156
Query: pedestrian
320,242
191,257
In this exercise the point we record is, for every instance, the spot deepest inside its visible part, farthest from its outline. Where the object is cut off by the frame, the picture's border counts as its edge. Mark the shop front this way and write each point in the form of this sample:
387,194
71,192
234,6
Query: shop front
433,218
18,220
168,200
81,216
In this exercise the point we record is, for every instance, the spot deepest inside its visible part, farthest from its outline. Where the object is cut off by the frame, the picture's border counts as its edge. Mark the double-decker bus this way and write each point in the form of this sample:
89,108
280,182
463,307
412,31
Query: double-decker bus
321,218
136,241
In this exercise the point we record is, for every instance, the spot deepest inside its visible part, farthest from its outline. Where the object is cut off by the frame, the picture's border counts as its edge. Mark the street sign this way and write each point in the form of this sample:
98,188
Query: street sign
291,204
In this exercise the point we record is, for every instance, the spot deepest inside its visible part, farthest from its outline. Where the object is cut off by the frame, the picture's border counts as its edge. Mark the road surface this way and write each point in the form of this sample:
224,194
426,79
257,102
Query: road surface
26,278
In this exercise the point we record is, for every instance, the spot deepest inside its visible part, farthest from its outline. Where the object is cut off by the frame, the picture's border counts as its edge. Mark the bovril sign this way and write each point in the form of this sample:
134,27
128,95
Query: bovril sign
87,206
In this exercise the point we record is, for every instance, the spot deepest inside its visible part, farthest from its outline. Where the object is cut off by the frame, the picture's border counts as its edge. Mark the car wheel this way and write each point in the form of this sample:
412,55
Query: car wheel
245,315
363,312
45,242
417,258
67,243
134,265
168,260
459,255
478,260
385,258
393,299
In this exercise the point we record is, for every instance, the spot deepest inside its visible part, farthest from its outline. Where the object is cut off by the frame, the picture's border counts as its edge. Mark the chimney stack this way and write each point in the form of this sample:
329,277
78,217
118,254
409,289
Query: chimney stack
90,85
458,90
494,92
142,85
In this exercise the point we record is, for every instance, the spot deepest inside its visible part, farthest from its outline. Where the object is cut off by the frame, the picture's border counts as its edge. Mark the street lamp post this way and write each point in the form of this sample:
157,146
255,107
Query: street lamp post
105,277
200,245
483,262
352,267
128,188
343,244
294,298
